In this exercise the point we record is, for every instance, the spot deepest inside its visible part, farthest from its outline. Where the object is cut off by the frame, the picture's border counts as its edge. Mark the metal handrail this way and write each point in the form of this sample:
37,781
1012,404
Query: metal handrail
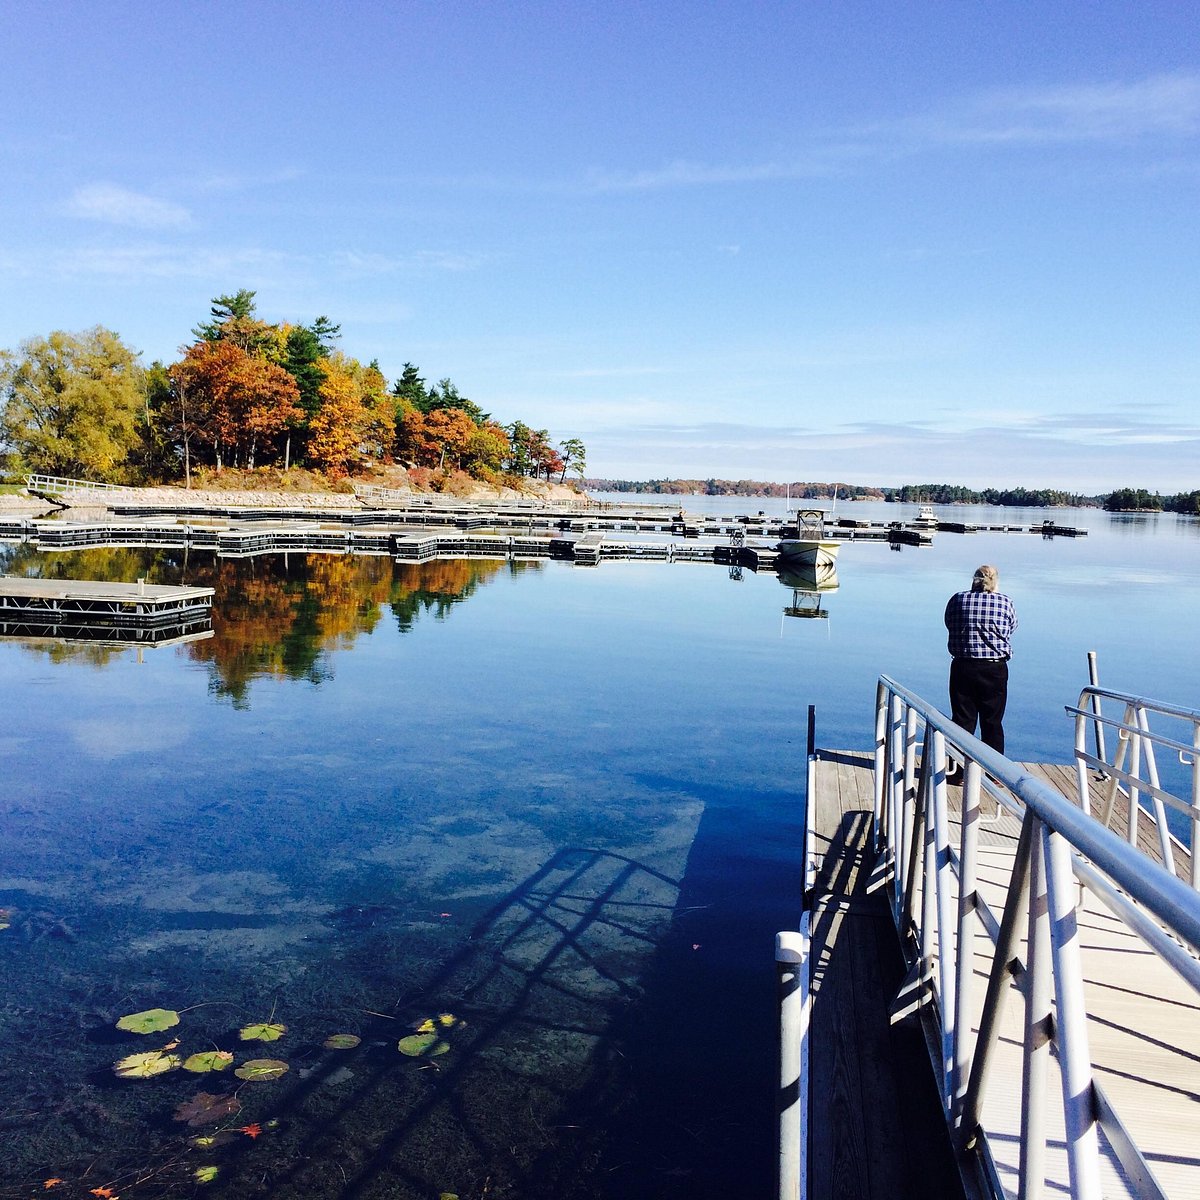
936,902
1132,769
58,485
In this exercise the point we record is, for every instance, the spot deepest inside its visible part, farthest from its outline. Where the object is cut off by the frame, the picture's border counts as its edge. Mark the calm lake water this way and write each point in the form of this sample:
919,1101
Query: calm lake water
553,810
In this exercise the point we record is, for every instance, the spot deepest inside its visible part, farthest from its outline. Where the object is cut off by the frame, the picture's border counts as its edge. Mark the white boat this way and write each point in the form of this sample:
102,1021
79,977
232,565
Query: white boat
809,547
925,518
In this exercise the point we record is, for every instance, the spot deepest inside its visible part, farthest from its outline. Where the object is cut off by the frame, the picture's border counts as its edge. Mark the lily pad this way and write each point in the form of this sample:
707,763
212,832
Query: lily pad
146,1064
441,1021
153,1020
206,1109
422,1045
264,1031
208,1060
209,1141
260,1069
342,1041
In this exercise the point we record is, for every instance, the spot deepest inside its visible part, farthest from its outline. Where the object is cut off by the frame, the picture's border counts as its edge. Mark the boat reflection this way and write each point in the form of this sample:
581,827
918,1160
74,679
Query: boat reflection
809,585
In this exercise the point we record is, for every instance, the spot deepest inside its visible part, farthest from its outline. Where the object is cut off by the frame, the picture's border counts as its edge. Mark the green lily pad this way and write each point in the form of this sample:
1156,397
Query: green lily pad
342,1041
208,1060
153,1020
209,1141
422,1045
146,1064
260,1069
264,1031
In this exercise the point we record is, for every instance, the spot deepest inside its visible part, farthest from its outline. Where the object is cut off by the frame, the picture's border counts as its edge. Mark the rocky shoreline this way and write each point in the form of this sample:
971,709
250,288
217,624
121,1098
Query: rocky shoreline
176,497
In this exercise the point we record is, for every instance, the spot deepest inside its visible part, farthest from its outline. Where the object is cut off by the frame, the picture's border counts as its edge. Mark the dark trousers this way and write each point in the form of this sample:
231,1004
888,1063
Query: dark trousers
979,691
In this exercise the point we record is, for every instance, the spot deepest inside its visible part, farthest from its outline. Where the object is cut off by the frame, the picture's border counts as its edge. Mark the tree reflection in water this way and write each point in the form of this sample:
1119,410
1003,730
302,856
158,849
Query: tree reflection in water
279,615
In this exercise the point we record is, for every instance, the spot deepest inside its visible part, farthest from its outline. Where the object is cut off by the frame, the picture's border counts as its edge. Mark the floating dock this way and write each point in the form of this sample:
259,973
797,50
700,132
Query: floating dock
70,602
1046,967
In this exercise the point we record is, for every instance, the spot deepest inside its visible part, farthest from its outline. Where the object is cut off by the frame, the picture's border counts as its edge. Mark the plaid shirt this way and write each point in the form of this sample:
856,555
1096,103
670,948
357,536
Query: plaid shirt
981,625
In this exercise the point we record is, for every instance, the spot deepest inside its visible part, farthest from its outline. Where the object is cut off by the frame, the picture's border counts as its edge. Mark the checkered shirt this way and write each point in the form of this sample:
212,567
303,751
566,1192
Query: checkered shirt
981,625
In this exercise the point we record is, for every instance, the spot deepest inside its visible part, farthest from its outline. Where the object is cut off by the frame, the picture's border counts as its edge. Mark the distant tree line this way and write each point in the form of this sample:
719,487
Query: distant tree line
1122,500
1140,500
246,393
1019,497
735,487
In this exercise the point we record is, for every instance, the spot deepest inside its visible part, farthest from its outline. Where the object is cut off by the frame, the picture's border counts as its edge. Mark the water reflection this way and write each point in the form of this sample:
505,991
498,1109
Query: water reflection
809,585
275,616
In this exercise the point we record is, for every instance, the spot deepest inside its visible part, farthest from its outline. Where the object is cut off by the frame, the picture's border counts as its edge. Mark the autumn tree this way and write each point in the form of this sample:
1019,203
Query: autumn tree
335,432
448,431
233,320
487,448
379,427
574,455
70,403
232,402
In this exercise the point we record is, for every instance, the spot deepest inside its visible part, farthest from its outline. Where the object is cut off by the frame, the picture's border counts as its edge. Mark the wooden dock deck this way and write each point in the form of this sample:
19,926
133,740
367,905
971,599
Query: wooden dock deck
877,1131
90,601
875,1117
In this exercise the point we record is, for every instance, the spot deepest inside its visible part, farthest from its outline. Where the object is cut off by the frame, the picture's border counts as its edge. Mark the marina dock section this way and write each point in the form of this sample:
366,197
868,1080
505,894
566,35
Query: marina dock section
68,602
413,530
1003,980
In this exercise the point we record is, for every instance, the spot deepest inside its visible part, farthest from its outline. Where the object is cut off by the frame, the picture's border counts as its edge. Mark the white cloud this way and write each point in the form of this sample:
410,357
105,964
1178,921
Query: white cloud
114,205
1021,454
372,263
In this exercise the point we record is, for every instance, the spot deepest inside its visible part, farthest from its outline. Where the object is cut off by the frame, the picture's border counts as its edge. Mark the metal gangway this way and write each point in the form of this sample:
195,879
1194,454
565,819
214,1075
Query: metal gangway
1050,928
56,485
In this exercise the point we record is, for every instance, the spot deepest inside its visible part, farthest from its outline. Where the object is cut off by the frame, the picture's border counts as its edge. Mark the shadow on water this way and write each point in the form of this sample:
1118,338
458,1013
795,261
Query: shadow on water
534,988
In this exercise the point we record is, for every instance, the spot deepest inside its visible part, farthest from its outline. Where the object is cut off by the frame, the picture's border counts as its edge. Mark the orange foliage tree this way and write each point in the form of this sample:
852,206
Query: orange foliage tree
231,402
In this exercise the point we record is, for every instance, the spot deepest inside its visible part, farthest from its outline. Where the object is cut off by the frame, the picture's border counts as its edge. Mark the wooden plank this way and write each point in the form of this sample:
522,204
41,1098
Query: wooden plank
875,1123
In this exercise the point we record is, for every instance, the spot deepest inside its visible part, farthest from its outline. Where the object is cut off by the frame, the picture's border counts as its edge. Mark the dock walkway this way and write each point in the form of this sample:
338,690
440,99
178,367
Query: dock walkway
82,601
875,1121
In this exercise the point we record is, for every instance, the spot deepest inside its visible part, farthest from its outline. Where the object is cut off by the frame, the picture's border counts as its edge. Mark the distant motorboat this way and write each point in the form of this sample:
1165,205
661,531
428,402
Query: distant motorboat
925,517
809,547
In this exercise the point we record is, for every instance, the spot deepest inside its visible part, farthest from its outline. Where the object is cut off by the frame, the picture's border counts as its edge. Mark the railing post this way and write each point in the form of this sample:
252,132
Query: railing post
791,958
1072,1037
947,965
1094,679
965,957
1004,967
899,797
1195,846
1038,1025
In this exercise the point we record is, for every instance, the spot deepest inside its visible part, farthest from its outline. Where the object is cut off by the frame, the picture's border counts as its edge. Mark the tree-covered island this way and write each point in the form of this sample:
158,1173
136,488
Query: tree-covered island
246,393
1122,500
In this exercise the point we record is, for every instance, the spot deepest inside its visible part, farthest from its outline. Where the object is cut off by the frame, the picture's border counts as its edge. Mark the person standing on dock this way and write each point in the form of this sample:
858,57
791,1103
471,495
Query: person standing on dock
981,623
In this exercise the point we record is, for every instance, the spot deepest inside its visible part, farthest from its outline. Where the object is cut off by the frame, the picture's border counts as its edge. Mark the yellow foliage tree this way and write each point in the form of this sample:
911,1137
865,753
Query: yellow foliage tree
336,430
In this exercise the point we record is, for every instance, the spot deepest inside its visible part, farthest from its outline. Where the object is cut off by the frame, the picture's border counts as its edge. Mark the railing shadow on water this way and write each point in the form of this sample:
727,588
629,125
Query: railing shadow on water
554,961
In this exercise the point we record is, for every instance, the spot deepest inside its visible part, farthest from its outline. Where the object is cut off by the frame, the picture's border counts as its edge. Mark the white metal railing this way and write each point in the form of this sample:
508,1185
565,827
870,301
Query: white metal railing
1132,770
934,889
55,485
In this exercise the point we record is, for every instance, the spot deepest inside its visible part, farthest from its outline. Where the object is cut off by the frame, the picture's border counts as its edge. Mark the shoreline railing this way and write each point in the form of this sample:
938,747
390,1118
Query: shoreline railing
933,886
55,485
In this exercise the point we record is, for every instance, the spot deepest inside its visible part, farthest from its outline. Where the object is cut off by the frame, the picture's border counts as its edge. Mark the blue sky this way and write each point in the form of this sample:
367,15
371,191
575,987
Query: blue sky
872,242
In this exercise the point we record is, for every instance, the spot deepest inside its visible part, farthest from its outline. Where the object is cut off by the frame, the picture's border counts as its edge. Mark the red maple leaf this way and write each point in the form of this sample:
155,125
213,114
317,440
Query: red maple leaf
251,1131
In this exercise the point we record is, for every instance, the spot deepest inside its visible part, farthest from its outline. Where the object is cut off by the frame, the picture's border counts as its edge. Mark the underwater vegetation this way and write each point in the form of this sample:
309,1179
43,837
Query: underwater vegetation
170,1162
